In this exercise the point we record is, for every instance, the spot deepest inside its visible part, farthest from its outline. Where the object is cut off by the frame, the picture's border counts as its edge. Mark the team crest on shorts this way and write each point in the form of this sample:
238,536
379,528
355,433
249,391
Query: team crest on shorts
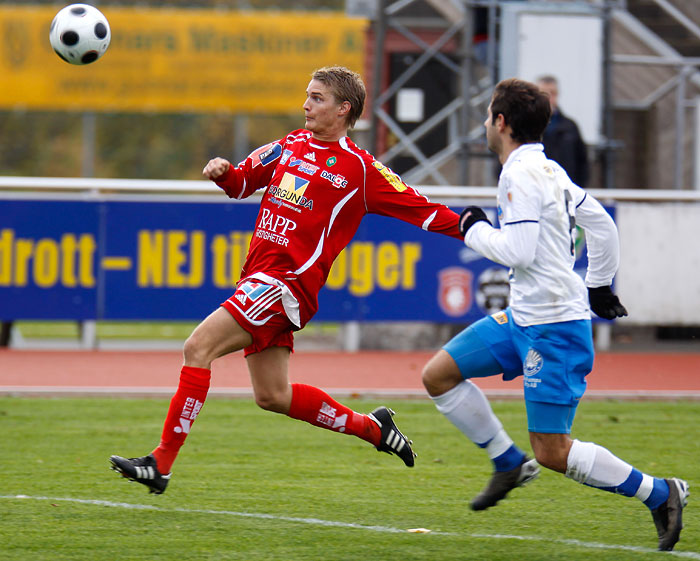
455,291
533,363
257,301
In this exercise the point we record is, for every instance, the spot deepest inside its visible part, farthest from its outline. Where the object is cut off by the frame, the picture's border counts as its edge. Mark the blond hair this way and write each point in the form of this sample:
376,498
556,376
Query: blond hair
345,85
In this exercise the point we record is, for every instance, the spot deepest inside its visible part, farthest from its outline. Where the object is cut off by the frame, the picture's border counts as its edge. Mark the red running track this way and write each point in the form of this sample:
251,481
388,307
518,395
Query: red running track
32,372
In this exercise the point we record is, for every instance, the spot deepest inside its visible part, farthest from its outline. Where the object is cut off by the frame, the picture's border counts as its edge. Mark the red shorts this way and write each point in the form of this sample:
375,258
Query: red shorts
257,307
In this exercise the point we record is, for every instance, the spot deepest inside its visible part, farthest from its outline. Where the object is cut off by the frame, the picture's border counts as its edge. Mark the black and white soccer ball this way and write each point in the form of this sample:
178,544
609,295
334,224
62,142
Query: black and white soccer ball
80,34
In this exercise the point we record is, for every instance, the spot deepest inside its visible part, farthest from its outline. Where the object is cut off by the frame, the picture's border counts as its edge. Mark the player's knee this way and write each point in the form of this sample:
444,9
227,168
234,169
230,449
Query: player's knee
194,351
551,456
437,379
272,401
546,459
429,377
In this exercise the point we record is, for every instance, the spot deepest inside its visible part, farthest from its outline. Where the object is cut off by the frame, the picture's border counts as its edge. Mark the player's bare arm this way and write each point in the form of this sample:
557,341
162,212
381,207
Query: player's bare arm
215,168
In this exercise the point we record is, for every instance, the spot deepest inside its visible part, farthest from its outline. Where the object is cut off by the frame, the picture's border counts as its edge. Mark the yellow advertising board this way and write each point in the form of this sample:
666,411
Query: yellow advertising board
172,60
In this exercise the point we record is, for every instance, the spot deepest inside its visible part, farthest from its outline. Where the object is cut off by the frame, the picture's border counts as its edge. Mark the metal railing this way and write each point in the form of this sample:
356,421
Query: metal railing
12,187
686,73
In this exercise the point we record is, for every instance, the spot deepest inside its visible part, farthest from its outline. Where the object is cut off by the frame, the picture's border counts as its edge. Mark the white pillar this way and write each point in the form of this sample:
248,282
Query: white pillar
603,335
350,333
88,334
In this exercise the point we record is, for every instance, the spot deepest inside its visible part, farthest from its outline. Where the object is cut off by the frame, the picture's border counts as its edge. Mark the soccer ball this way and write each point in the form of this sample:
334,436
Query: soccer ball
80,34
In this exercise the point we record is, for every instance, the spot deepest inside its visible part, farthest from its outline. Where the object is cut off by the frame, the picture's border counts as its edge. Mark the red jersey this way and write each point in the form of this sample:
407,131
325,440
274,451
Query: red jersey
317,194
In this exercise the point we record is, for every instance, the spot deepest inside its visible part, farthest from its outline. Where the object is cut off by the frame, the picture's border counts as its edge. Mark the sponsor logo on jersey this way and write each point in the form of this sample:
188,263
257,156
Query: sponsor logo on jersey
274,227
266,154
330,162
302,166
310,156
393,179
338,181
292,189
455,291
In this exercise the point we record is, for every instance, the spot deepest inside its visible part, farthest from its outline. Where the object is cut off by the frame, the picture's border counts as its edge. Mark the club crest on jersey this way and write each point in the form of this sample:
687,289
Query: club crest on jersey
455,291
330,162
393,179
292,189
338,181
266,154
285,156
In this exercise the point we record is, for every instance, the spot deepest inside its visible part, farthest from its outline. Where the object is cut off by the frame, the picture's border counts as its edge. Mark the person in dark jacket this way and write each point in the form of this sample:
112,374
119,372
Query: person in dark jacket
562,139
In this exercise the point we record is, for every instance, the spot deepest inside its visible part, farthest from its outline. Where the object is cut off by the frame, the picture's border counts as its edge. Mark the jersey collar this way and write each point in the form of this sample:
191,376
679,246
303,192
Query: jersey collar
520,151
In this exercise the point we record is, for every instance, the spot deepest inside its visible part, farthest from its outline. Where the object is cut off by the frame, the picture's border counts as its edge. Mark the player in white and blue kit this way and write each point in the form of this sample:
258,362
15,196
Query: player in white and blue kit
545,335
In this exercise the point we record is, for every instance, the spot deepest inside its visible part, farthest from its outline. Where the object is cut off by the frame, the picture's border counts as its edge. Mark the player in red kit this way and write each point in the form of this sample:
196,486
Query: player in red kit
319,187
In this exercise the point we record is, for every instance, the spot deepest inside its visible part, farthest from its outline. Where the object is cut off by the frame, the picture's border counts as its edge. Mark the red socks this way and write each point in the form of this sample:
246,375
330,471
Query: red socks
315,406
309,404
184,408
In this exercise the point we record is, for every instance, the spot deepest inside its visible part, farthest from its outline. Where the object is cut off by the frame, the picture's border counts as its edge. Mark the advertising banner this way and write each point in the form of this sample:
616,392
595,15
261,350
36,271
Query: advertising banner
172,60
133,260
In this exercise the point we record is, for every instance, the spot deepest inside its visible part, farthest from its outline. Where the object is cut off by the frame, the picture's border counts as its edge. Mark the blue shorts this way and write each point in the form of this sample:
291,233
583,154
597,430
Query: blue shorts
553,358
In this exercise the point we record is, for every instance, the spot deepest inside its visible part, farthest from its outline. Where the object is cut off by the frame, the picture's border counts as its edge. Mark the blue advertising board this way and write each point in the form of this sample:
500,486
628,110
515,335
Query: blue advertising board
157,260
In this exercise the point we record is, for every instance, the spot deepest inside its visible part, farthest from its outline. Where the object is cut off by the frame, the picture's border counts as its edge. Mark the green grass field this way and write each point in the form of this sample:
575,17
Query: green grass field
254,485
150,330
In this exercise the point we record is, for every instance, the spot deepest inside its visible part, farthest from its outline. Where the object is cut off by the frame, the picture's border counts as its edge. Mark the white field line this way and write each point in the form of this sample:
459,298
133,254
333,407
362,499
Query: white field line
351,525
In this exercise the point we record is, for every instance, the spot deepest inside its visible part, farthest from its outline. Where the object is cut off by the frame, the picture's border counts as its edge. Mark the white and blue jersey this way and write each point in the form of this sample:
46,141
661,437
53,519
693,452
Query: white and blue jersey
538,208
545,335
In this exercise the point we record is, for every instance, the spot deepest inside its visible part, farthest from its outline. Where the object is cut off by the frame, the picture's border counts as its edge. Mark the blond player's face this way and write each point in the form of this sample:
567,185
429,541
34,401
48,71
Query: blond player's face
321,110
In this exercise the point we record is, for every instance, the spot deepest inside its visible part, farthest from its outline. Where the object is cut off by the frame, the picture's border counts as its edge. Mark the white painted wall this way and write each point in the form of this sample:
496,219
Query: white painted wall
565,41
659,275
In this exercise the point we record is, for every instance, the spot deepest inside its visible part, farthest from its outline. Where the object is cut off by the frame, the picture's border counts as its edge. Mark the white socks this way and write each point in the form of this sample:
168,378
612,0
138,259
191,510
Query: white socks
467,408
596,466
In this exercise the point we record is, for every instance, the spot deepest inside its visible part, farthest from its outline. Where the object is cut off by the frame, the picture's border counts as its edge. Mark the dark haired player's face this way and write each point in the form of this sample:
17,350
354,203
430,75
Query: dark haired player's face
493,141
321,110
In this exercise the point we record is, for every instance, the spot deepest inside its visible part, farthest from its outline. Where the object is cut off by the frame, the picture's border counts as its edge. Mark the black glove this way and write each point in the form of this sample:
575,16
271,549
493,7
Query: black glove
470,216
605,304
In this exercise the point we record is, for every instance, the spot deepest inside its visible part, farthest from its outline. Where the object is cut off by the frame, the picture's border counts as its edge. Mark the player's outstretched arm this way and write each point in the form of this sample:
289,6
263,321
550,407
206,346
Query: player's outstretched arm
386,194
253,173
215,168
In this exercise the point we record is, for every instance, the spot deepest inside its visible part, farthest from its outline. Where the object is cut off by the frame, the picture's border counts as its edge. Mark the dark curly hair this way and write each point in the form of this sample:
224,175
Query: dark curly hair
524,107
